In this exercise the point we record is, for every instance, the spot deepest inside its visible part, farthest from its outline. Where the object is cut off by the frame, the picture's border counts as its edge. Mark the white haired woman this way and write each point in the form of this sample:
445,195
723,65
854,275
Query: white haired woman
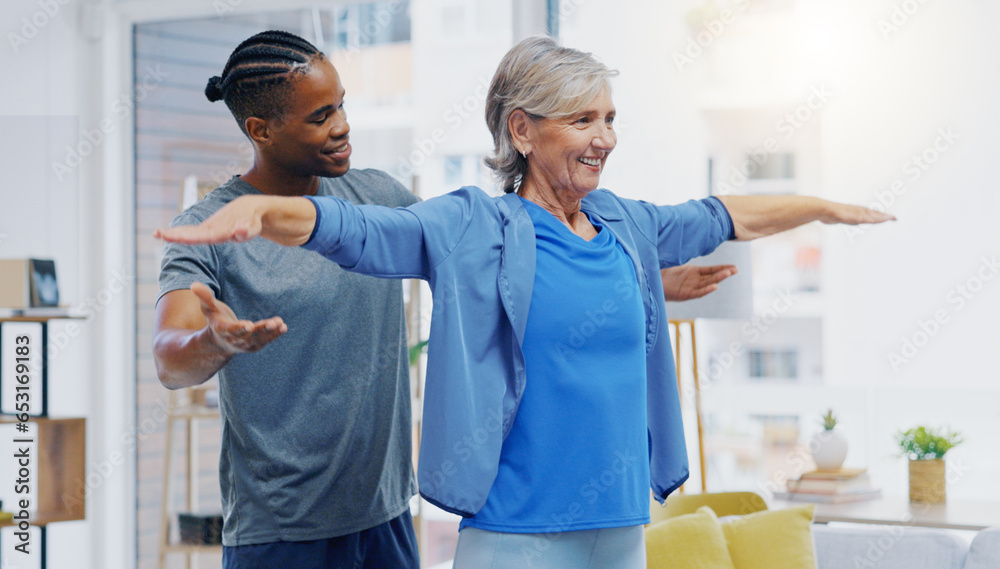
551,406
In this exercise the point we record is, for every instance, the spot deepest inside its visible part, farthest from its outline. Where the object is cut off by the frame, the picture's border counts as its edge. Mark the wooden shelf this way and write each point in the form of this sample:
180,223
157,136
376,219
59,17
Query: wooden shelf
182,409
6,315
10,419
195,412
37,316
59,469
192,548
41,521
60,444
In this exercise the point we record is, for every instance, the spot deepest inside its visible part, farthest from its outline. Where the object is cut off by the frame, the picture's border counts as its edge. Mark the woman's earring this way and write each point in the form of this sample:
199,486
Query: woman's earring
524,155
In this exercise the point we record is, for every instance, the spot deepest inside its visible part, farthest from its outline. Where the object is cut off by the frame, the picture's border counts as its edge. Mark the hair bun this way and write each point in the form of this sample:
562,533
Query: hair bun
213,90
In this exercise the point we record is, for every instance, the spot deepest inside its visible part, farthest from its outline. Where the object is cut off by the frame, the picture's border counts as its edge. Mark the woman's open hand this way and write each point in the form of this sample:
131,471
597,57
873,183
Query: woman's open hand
855,215
284,220
239,220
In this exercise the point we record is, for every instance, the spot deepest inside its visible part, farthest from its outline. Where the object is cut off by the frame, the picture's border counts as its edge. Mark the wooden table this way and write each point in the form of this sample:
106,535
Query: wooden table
971,515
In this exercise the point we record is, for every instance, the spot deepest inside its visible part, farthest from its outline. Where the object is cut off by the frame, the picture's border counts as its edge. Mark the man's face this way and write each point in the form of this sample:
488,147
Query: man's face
312,136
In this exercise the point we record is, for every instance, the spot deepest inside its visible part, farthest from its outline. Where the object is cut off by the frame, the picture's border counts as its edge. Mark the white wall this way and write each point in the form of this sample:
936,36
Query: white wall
40,116
39,216
57,88
892,96
932,75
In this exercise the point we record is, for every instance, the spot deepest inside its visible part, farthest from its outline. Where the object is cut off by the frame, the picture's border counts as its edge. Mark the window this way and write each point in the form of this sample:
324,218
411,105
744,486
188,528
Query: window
370,24
780,165
767,364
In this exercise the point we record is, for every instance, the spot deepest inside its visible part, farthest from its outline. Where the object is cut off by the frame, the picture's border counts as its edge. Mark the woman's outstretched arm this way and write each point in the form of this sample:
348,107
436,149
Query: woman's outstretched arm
284,220
368,239
760,216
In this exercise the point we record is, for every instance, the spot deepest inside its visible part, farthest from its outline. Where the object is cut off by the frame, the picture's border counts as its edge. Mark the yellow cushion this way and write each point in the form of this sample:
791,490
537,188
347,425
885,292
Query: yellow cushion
691,541
773,539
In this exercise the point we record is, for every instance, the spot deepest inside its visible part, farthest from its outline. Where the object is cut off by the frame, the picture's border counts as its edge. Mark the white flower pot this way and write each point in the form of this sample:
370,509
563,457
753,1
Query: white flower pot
828,449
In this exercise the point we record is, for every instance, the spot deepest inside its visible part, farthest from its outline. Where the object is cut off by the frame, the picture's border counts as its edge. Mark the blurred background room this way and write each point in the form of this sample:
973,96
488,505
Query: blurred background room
106,135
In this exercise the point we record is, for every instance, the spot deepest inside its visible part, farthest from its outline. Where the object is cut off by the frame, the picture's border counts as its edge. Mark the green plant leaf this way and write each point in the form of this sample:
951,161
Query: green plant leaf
829,420
415,351
923,443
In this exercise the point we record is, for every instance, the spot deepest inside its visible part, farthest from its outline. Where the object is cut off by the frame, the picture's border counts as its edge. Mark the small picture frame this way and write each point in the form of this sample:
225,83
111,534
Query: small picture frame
43,284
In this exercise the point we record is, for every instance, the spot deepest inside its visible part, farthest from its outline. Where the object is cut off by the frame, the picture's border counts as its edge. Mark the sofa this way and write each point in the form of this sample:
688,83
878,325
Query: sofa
746,535
894,547
688,543
851,546
786,538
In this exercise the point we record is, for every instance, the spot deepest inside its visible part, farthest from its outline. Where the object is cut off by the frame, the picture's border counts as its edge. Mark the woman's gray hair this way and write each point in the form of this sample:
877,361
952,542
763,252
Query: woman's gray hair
544,80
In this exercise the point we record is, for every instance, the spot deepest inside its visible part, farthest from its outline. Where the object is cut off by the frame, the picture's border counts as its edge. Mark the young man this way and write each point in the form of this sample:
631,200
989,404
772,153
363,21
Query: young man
315,466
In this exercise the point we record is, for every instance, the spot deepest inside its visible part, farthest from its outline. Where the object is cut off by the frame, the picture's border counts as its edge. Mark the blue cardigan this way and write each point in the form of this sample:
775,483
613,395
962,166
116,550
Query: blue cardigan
478,254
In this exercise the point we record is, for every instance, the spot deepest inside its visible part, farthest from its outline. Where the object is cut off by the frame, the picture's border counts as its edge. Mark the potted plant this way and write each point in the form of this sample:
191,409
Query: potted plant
926,448
828,447
415,351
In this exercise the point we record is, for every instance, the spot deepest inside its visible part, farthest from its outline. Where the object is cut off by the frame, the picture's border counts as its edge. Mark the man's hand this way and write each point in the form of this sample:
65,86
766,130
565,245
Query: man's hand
688,282
231,334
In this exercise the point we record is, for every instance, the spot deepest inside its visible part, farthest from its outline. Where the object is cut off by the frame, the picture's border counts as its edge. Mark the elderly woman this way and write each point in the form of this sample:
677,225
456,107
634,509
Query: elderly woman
551,406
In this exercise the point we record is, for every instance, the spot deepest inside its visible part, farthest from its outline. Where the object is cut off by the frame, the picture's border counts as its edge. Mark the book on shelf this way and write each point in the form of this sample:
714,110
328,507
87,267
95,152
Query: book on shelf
839,498
829,485
838,474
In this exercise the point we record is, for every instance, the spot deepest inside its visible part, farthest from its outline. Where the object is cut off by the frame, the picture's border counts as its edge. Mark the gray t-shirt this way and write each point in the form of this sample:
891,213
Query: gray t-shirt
316,426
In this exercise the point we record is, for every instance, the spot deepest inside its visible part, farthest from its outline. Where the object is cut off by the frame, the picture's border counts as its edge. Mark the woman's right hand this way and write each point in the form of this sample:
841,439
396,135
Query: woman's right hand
688,282
239,220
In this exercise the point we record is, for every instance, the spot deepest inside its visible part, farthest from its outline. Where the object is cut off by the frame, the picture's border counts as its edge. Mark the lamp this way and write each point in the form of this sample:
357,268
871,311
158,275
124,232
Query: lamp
732,300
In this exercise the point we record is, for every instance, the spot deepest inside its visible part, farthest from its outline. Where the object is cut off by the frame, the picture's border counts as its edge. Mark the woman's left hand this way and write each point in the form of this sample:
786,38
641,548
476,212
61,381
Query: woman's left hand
759,216
855,215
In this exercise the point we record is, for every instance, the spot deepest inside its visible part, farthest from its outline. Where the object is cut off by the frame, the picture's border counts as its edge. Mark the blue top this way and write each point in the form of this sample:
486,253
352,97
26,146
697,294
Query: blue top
572,458
478,254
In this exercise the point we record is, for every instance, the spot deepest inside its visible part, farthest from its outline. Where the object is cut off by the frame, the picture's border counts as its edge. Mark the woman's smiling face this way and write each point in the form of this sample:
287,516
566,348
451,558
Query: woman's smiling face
568,153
